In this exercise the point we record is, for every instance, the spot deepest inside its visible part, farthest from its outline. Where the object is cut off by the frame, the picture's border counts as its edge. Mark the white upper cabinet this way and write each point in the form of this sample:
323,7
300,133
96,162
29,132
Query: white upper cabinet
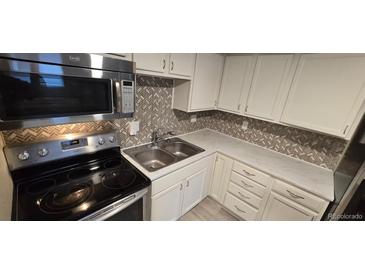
207,81
237,76
182,64
269,87
154,62
202,92
174,65
326,93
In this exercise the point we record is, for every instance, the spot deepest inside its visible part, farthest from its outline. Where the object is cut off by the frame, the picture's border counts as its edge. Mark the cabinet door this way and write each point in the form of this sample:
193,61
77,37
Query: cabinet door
222,170
326,93
166,205
237,76
279,208
156,62
182,64
207,81
268,86
193,191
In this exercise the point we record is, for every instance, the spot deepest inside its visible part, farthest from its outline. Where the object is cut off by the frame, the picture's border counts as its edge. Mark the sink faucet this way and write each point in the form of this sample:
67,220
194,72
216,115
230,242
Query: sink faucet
158,136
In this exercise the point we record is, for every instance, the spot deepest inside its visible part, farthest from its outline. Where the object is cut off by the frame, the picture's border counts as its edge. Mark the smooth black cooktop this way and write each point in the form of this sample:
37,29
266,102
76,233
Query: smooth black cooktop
73,188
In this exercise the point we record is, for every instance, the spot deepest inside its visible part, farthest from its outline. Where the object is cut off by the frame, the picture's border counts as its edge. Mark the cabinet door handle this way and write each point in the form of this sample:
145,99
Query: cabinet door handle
294,195
239,209
239,106
344,131
245,184
248,173
243,196
187,184
164,64
181,187
172,65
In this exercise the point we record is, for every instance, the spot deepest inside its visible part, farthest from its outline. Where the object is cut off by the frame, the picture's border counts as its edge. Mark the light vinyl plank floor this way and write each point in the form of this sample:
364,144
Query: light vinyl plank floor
208,210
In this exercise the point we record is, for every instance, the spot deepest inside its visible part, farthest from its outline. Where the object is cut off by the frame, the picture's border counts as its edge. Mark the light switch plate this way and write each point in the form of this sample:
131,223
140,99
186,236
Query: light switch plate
133,127
244,125
193,118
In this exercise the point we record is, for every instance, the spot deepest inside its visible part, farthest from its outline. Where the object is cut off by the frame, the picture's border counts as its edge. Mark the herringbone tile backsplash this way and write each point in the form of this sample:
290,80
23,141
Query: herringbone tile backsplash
153,110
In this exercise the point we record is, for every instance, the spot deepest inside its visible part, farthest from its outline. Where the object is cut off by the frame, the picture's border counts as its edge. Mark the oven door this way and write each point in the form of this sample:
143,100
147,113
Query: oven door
38,94
131,208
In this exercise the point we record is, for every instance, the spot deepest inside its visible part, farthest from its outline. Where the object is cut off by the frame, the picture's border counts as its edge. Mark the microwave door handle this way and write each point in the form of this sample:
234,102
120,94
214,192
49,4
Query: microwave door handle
118,96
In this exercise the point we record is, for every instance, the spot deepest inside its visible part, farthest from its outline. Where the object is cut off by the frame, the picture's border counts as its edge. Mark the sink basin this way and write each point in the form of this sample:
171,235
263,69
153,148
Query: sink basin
154,158
180,149
167,152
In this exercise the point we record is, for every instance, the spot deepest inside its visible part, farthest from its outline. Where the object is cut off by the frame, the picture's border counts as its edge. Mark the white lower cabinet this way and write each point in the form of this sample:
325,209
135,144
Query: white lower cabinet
167,204
193,190
222,169
245,191
279,208
240,208
251,194
178,192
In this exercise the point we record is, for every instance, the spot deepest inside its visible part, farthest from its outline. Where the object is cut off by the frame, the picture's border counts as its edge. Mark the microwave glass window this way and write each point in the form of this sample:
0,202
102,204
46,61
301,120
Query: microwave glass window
26,96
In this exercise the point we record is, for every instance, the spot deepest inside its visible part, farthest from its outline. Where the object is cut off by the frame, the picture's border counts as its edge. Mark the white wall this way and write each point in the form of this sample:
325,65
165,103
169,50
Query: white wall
6,186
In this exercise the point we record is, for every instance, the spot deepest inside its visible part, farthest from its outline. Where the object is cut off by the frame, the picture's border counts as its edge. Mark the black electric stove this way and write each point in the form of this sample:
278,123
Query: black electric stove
74,187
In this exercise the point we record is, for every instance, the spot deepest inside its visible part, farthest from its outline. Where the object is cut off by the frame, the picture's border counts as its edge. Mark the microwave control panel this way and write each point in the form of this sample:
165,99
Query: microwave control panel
128,96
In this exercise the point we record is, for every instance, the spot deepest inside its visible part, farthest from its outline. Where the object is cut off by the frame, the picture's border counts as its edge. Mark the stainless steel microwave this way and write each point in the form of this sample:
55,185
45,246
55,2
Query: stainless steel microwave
48,89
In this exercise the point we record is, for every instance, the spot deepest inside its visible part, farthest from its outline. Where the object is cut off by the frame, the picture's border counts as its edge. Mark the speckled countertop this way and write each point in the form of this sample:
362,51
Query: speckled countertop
307,176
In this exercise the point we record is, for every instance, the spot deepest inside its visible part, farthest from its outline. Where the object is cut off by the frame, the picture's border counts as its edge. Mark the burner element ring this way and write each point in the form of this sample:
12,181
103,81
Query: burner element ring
64,199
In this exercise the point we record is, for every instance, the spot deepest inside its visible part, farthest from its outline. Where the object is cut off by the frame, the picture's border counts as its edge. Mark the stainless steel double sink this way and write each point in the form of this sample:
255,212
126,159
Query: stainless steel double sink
163,153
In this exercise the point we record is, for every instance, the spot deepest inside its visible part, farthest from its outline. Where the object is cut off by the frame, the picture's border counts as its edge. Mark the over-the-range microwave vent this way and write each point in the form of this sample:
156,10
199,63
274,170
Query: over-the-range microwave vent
50,89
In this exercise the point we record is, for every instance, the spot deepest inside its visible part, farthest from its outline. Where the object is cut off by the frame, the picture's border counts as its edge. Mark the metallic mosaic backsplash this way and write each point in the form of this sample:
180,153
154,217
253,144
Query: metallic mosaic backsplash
153,110
312,147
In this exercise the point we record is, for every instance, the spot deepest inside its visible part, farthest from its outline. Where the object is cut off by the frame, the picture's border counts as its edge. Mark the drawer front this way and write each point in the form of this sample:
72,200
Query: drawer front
248,184
299,196
251,173
244,195
240,208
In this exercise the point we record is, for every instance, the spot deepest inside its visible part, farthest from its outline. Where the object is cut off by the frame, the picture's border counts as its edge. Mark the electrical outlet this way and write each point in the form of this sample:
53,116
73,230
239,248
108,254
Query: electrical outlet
193,118
244,125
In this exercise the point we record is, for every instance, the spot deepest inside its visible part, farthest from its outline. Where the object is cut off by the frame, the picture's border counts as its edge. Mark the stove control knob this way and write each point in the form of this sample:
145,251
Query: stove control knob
43,152
23,156
111,139
101,141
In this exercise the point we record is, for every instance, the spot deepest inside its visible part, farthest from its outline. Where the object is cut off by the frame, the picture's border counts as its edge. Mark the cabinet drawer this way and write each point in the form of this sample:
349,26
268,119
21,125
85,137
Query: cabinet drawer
244,195
240,208
248,184
251,173
299,196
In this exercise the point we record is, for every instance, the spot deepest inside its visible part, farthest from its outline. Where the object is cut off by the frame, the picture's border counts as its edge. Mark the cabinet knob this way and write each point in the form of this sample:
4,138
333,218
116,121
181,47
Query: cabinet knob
164,64
172,65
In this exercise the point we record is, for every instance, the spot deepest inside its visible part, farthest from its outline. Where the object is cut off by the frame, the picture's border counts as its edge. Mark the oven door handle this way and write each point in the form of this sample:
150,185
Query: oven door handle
115,207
